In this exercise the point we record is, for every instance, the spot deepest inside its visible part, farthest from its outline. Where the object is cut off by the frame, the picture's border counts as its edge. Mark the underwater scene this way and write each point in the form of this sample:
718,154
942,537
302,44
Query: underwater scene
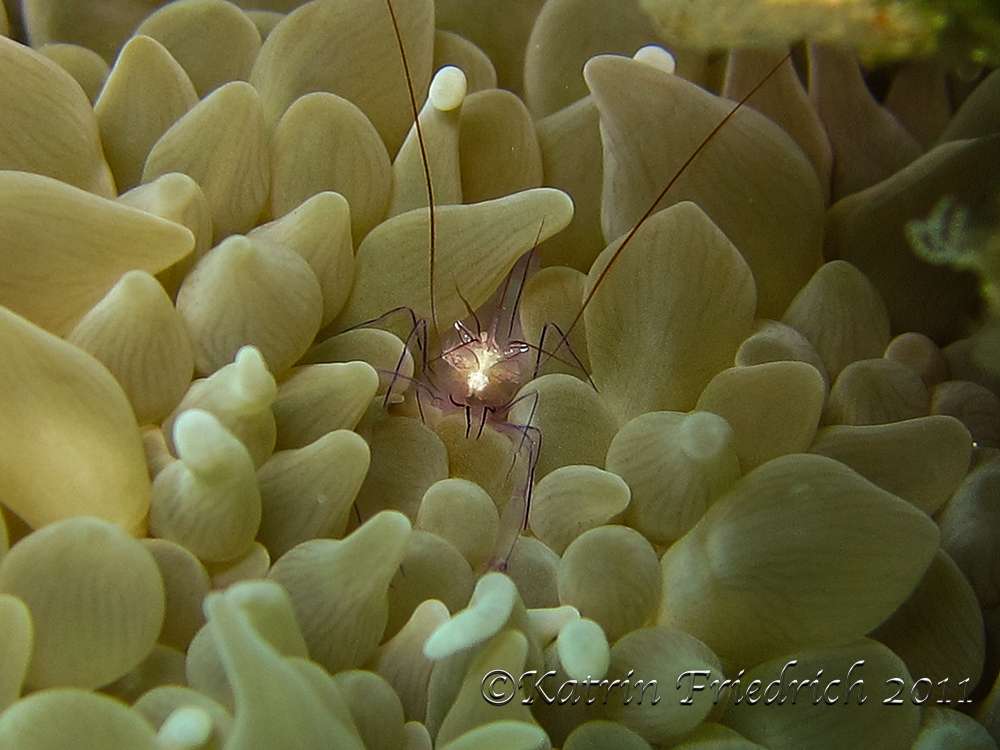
499,375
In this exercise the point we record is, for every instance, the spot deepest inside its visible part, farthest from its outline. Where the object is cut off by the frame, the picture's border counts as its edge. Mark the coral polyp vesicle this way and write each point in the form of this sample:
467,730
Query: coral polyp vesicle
432,374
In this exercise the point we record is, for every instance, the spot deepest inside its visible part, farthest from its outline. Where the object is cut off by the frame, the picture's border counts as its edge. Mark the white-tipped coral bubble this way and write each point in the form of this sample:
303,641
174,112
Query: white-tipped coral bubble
438,143
187,727
96,600
158,704
448,89
657,57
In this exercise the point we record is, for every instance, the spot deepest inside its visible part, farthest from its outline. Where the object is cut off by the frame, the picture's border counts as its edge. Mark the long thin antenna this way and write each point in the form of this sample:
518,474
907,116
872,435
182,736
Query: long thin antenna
423,153
673,180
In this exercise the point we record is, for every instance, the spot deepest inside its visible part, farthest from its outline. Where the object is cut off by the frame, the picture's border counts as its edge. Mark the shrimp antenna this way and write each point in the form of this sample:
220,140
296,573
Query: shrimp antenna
673,180
423,153
524,278
469,310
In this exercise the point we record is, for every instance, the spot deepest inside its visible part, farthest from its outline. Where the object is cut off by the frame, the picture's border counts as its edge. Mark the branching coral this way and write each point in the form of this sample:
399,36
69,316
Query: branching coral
758,428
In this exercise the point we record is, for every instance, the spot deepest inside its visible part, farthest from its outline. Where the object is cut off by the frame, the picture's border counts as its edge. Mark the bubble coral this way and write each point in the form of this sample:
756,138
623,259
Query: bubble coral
232,516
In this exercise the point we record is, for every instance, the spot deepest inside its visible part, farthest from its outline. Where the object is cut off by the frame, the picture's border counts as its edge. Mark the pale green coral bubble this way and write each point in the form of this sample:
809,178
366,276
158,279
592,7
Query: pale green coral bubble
207,501
492,603
86,66
249,292
877,724
574,499
922,460
96,600
431,568
344,581
307,492
213,40
739,582
89,721
841,314
611,574
753,402
583,650
235,173
320,231
239,395
401,661
939,631
876,391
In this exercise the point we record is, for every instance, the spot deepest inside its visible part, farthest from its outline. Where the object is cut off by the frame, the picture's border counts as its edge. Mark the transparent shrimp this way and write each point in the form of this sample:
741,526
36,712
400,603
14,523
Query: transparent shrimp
481,369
